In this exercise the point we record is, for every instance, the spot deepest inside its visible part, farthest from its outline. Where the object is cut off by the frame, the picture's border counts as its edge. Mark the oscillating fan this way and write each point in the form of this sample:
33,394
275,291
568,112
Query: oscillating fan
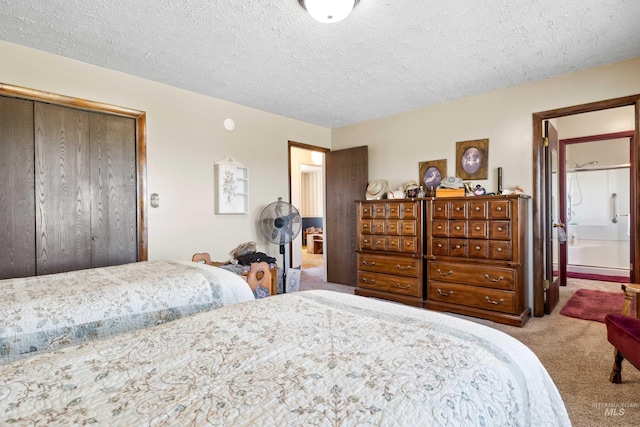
280,222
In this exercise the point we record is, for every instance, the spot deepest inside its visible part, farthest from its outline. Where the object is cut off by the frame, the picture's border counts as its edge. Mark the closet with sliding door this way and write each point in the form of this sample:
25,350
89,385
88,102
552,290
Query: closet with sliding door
69,188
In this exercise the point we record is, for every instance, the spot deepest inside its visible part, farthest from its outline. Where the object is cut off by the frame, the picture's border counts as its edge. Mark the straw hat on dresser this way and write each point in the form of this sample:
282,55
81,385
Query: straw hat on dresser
376,189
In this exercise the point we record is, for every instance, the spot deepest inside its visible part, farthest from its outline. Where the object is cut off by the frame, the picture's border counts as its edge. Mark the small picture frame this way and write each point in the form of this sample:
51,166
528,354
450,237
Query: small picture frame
472,159
432,172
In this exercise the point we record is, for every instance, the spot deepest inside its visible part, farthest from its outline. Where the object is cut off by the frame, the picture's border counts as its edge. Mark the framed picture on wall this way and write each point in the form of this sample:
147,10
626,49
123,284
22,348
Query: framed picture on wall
232,187
472,159
432,172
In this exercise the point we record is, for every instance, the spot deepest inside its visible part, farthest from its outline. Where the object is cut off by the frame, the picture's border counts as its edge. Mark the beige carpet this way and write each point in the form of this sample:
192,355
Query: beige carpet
575,352
311,260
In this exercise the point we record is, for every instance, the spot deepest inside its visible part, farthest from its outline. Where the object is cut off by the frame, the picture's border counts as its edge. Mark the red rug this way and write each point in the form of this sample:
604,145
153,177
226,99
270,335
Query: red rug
593,305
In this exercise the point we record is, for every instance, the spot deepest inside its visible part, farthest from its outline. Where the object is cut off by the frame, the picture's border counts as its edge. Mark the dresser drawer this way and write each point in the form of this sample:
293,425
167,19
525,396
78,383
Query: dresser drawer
472,296
393,210
393,227
500,250
499,209
366,225
409,228
366,210
473,274
440,209
409,211
458,229
389,283
478,229
403,266
458,209
378,226
366,241
500,230
478,209
440,228
440,247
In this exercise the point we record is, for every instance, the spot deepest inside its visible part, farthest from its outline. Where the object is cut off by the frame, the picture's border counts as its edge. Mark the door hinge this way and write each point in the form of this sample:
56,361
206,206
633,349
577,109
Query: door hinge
545,141
546,284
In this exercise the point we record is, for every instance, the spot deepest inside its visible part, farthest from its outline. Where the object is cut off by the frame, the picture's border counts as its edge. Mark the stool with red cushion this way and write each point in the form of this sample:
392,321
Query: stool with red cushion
623,332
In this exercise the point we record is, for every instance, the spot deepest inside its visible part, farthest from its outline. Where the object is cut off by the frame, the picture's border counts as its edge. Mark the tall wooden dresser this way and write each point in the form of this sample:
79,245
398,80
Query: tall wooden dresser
390,250
476,253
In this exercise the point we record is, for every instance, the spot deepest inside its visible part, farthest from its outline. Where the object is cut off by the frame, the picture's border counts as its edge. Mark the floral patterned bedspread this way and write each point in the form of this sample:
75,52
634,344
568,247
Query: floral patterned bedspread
307,358
46,313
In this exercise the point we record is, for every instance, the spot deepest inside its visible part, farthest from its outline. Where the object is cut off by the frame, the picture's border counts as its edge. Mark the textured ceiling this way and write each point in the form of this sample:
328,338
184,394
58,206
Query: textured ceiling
387,57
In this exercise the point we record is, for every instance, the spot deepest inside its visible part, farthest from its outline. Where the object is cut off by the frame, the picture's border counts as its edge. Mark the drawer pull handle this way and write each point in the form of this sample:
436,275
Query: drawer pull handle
448,273
458,246
370,281
372,263
499,208
493,280
477,228
500,301
403,287
458,208
366,240
365,226
379,225
458,227
445,294
399,267
477,248
500,228
477,208
439,245
499,249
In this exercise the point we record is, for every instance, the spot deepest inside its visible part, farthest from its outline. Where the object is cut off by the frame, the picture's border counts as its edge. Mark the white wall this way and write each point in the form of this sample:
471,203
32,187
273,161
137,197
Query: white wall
185,136
398,143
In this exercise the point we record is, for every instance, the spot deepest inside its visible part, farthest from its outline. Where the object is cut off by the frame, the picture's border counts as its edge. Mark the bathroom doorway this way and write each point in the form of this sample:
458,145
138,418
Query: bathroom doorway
596,198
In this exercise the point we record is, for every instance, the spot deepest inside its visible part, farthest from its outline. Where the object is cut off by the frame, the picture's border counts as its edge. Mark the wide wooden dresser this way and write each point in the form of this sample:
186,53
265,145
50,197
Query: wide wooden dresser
390,250
476,254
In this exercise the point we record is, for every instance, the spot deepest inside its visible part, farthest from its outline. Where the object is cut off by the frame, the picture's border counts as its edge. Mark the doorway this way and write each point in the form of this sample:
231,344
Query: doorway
595,198
542,231
307,189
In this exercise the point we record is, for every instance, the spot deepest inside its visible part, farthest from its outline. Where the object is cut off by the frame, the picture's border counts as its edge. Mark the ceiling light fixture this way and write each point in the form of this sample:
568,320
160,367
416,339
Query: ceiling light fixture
328,11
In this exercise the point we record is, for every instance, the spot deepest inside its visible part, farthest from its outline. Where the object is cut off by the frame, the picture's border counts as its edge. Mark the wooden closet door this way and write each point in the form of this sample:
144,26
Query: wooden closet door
63,189
17,206
114,185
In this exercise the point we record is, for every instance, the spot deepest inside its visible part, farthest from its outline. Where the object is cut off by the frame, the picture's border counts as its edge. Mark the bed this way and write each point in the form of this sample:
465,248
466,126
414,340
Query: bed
46,313
306,358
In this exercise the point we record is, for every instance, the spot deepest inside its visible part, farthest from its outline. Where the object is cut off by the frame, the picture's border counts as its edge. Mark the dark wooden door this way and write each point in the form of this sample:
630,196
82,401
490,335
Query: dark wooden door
63,189
347,173
17,207
113,183
554,228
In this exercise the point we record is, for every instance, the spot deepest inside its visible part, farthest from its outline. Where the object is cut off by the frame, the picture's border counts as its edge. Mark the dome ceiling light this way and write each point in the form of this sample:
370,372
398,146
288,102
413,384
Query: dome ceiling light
328,11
